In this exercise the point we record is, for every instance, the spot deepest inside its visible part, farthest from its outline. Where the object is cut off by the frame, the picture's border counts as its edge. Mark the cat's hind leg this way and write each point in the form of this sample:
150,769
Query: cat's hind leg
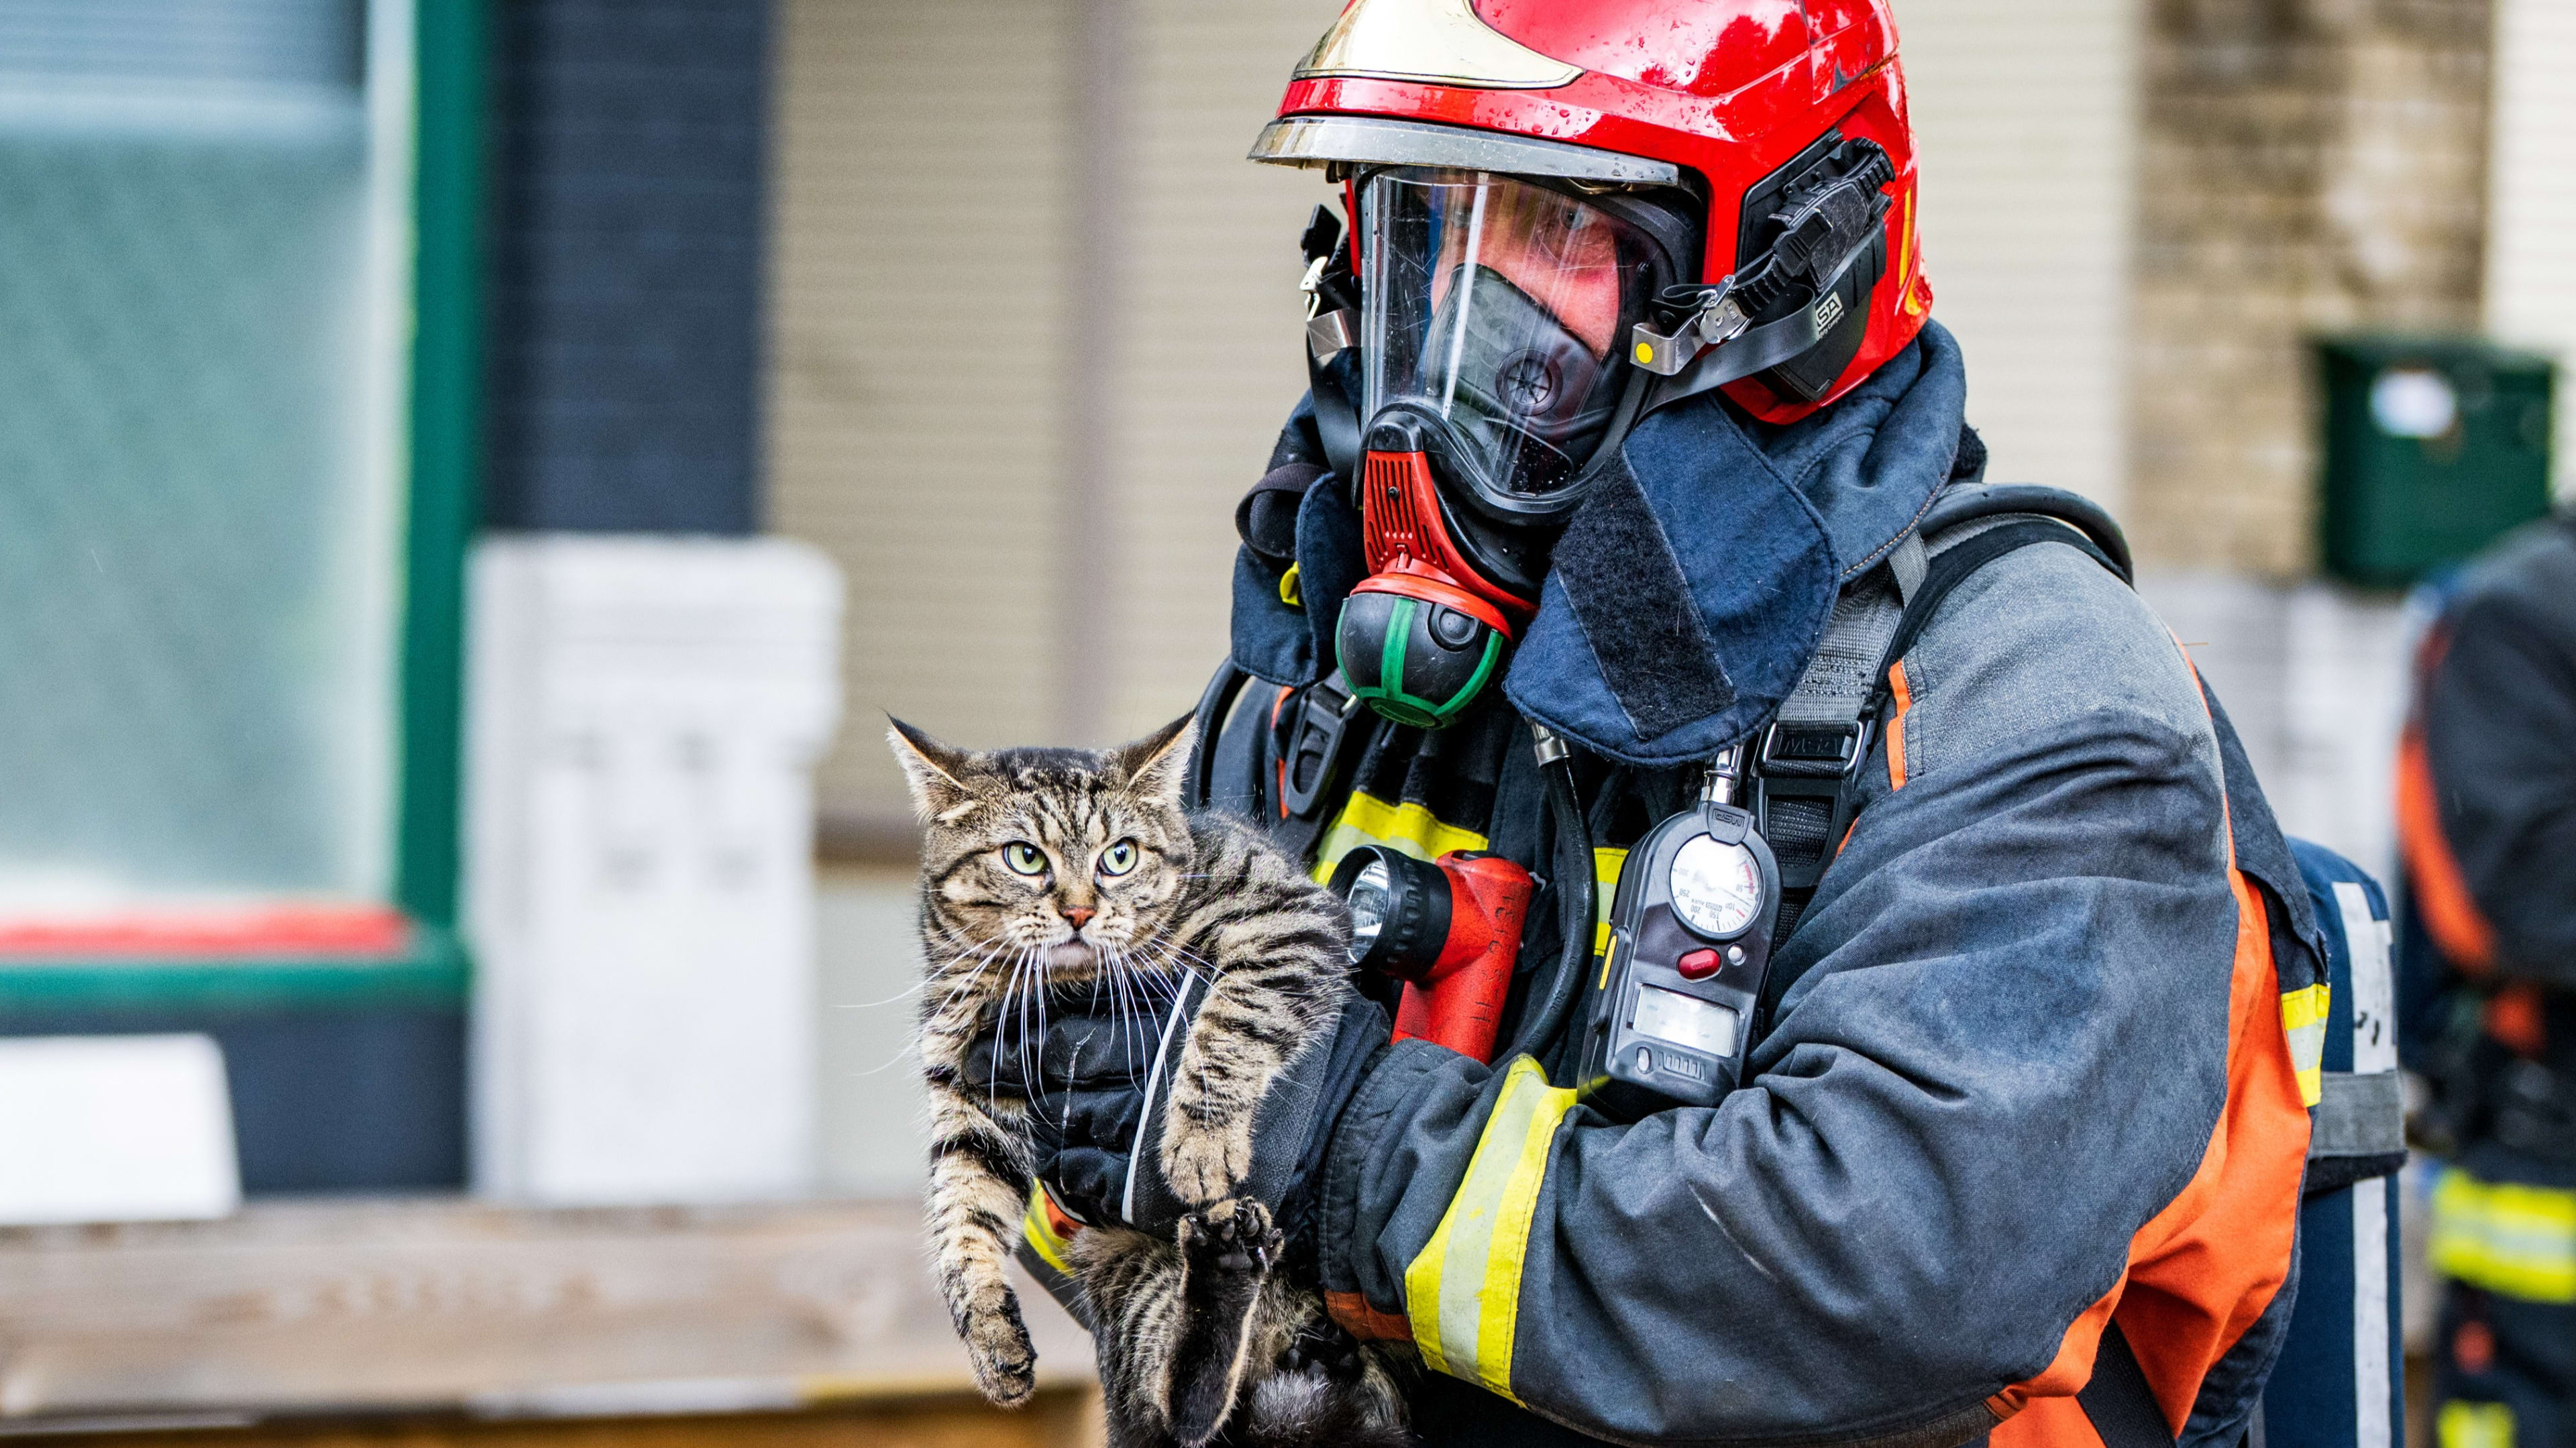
1226,1252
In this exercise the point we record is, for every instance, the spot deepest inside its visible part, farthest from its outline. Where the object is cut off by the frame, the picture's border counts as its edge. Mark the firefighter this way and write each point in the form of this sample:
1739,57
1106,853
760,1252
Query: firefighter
2487,819
1634,474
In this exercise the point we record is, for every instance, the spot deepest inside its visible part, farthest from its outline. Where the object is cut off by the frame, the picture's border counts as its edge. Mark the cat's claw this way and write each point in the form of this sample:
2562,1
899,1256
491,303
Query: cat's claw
1237,1235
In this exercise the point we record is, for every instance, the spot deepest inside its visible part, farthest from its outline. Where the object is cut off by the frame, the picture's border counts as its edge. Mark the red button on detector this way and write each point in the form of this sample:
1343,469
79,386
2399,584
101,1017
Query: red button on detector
1698,965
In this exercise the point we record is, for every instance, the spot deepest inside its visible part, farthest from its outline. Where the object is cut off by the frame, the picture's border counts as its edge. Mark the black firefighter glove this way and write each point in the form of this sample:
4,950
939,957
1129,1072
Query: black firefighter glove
1097,1075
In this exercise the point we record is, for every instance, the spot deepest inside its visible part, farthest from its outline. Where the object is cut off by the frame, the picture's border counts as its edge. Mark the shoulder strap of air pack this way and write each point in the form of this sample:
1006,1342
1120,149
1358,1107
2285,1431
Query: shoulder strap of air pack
1806,772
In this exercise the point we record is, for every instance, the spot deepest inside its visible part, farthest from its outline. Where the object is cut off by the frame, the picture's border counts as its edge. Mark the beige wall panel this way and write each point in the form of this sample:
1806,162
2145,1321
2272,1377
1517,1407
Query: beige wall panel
2531,187
918,287
2025,112
1208,362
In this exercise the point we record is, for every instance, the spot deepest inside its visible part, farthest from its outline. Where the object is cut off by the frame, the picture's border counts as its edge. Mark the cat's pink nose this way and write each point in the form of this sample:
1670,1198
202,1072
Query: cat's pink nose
1076,915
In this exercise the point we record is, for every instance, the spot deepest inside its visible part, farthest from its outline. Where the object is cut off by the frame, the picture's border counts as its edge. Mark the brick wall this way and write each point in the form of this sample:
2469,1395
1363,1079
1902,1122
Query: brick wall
2304,166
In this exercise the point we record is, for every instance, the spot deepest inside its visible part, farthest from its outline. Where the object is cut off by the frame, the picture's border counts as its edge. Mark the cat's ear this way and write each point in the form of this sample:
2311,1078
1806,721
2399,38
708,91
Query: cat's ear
1158,765
931,768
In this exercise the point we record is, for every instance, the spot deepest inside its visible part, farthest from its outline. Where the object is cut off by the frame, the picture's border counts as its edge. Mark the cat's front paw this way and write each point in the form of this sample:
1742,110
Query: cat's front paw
1205,1164
997,1342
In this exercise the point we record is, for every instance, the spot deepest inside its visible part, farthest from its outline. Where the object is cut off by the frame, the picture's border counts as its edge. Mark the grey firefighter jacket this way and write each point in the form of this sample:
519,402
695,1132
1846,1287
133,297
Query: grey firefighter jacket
2038,1076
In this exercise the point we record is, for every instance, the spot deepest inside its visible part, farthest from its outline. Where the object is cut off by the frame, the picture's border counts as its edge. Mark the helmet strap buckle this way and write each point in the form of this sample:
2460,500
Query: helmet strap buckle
1716,319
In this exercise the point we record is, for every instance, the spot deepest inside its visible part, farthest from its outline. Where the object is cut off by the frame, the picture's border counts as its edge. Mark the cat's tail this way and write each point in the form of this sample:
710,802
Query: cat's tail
1226,1253
1309,1408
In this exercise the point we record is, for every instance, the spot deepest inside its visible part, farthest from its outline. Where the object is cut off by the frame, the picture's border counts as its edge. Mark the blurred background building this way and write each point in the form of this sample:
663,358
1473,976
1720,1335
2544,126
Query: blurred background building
393,384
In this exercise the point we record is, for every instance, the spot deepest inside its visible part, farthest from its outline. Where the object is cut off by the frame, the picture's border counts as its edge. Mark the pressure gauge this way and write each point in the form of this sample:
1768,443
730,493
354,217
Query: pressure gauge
1717,887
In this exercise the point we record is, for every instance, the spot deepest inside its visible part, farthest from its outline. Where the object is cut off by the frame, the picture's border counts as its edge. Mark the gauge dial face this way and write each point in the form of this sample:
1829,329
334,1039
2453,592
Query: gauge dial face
1716,887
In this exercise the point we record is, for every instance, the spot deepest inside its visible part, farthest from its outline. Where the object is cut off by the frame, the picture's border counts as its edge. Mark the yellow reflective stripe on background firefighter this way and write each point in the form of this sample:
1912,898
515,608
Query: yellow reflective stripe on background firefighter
2303,1019
1405,828
1463,1292
2516,1240
2474,1425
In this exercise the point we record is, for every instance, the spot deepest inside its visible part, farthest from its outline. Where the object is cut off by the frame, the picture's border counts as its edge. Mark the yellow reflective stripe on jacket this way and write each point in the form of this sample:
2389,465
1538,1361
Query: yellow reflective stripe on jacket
2506,1237
1041,1234
2303,1018
1408,828
1606,864
1463,1292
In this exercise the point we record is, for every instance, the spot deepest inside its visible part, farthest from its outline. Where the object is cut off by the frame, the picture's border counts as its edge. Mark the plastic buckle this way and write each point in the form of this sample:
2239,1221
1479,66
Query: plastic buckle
1315,747
1840,746
1826,759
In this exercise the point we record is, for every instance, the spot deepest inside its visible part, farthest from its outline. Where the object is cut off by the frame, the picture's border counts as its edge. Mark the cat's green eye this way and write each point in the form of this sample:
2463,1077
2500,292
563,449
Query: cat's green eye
1024,858
1119,858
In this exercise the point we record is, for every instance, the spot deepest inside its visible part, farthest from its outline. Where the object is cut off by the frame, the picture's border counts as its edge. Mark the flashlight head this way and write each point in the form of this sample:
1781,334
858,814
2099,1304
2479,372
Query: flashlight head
1400,910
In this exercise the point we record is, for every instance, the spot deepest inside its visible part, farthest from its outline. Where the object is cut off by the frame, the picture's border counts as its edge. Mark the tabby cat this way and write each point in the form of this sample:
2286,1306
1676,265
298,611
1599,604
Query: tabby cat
1048,868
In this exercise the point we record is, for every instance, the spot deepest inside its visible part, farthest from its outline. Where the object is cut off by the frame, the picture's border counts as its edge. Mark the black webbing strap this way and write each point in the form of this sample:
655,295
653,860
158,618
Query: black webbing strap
1805,763
1805,805
1215,701
2117,1399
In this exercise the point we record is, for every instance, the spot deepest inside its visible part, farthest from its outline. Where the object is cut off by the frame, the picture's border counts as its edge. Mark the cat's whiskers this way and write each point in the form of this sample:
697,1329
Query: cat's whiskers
1020,973
959,990
1121,1008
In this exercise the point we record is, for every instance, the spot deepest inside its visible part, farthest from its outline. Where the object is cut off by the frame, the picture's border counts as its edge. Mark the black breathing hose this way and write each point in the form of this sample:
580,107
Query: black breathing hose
1543,1019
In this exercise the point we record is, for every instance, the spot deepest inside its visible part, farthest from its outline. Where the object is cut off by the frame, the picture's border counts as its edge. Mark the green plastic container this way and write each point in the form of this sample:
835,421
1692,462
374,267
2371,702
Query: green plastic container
2434,447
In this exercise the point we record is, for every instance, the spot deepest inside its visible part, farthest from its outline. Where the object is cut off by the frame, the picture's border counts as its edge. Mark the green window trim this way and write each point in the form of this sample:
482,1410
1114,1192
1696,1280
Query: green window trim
446,447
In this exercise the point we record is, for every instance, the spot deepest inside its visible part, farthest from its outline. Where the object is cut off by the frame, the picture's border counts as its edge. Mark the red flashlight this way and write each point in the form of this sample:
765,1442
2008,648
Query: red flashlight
1450,929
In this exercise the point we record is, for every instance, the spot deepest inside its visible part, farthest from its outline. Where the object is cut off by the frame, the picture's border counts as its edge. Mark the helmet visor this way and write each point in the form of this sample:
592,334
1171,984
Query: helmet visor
1499,307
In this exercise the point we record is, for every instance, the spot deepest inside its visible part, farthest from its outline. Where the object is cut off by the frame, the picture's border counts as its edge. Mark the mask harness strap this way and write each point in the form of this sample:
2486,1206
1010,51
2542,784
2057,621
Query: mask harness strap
1806,774
1332,331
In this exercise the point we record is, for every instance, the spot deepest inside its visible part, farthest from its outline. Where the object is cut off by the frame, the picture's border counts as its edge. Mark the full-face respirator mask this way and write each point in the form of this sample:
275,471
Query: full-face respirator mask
1495,382
1512,330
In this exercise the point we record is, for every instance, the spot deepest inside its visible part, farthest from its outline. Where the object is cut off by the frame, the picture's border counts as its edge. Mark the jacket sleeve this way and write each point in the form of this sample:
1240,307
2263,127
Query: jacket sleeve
2500,733
2007,1055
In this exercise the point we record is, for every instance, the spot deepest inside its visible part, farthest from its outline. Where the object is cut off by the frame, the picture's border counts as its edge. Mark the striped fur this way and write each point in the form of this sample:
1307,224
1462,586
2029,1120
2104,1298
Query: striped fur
1197,1338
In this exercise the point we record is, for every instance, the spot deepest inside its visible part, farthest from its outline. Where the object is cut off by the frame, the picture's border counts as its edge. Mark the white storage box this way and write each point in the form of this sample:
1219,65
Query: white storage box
644,718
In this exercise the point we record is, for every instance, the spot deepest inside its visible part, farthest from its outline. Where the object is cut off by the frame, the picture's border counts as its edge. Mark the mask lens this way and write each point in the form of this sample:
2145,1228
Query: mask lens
1499,306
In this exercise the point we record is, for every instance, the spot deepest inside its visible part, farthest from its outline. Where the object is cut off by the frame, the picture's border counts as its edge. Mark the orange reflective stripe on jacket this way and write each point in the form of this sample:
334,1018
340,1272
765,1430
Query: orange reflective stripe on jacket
2201,1271
2206,1266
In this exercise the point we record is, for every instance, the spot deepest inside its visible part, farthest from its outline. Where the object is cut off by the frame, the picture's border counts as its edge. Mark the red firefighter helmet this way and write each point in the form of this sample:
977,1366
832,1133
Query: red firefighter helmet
1729,103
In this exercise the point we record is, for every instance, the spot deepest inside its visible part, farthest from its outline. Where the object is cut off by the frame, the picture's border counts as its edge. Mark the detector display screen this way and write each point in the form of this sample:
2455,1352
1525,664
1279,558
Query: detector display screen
1686,1021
